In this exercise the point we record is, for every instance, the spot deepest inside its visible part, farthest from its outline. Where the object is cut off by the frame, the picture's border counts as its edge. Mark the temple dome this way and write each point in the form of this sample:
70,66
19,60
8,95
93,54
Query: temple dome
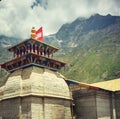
35,81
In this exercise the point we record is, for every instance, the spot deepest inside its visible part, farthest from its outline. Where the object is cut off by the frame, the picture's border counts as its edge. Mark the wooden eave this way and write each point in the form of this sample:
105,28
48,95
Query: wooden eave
12,48
19,58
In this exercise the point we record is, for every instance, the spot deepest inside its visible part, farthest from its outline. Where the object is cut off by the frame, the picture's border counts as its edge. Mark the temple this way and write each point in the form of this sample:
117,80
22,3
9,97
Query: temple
32,52
34,89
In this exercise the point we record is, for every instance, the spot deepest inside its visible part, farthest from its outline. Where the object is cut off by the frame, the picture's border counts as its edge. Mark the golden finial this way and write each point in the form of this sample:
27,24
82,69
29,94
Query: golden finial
33,33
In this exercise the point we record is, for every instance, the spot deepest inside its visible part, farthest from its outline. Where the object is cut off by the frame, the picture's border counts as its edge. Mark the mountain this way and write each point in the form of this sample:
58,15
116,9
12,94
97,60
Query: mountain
89,46
6,42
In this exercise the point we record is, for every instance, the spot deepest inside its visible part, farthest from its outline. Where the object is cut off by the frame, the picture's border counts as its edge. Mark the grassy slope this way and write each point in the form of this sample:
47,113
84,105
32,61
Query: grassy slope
100,61
94,61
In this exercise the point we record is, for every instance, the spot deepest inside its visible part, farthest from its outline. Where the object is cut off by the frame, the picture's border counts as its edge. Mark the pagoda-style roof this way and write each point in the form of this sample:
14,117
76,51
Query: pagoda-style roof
32,59
32,52
31,40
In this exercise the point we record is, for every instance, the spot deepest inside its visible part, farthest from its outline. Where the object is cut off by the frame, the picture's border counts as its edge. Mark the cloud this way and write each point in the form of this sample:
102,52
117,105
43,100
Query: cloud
18,17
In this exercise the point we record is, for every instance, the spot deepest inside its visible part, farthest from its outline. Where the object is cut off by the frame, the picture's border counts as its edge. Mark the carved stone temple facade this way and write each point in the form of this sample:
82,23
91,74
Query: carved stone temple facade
34,89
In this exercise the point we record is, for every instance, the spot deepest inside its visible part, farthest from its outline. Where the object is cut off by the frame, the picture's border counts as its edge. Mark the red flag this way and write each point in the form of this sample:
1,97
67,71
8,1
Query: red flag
39,34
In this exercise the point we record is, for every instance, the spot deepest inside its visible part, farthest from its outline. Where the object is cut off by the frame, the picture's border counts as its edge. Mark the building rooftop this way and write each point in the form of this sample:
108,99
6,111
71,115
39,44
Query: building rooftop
111,85
76,85
32,52
28,40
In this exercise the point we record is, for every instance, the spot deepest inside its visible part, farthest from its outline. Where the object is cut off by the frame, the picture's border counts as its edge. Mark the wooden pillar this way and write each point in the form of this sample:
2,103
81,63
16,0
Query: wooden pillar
52,53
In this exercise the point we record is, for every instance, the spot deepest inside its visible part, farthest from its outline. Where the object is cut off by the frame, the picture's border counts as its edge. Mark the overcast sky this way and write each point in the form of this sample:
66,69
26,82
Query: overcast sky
18,16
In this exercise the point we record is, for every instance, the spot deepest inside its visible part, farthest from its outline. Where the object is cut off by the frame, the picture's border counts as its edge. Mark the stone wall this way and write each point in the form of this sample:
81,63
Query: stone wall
10,109
92,104
103,104
50,108
85,104
25,108
35,93
117,104
35,108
